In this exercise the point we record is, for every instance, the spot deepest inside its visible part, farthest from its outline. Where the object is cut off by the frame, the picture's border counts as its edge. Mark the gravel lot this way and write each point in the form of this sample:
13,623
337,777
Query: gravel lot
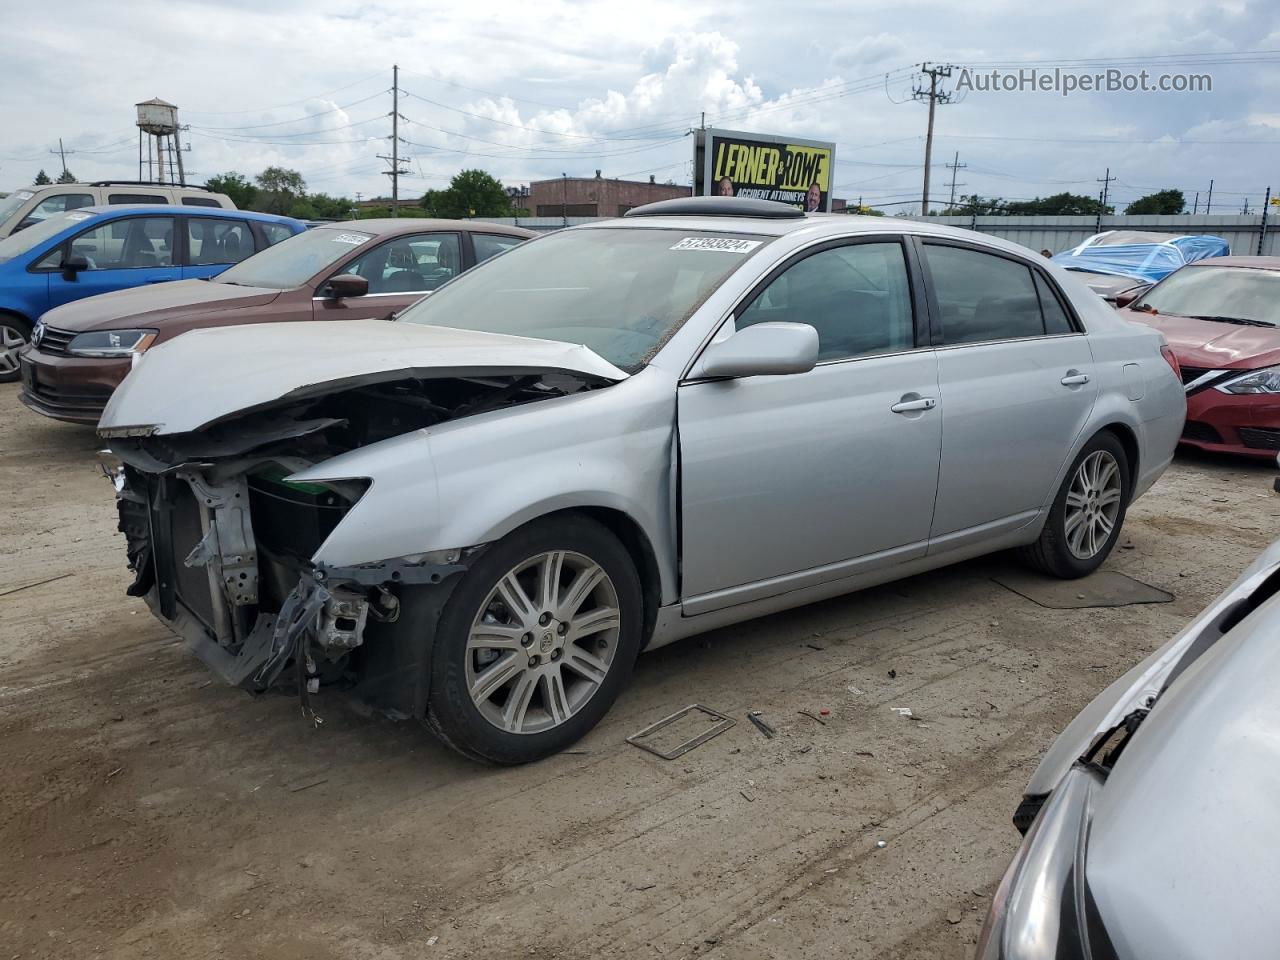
146,811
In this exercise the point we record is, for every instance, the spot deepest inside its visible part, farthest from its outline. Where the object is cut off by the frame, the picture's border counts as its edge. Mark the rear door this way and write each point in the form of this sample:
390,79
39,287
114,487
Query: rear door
1018,383
124,252
215,243
400,271
790,481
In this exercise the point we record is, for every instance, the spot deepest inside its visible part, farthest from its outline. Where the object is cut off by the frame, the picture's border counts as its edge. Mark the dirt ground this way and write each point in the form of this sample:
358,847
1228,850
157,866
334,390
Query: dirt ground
148,811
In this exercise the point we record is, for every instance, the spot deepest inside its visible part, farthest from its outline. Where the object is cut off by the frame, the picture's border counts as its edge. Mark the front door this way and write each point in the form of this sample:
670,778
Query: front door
1018,383
400,272
791,480
121,253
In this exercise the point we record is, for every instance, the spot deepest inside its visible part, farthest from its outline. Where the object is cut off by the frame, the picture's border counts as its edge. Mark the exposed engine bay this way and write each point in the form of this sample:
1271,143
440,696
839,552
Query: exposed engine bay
221,540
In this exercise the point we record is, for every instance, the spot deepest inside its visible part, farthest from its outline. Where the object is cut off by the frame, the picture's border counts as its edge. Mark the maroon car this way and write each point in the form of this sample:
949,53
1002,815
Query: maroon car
360,269
1222,319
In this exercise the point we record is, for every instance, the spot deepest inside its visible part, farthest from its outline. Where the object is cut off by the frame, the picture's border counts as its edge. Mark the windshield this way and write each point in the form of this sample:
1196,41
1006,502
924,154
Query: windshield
291,263
12,202
1242,294
19,243
619,291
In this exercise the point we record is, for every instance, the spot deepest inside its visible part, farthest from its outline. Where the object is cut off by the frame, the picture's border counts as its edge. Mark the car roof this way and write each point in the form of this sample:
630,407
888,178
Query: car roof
188,209
811,224
1257,263
392,226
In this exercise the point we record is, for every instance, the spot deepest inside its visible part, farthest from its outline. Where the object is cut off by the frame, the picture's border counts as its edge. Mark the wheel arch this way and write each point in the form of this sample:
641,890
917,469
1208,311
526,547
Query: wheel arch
634,539
1129,440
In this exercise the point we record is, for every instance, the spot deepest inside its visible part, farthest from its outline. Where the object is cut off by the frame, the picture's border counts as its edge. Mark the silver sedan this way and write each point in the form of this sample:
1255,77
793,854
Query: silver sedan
619,435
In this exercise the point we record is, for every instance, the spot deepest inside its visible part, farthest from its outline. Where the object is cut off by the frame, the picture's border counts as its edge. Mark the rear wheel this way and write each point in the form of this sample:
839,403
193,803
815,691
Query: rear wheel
1085,519
15,333
536,643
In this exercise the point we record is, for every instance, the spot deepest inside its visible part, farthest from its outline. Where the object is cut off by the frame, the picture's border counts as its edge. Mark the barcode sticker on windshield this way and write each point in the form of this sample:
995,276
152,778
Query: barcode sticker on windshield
723,244
352,238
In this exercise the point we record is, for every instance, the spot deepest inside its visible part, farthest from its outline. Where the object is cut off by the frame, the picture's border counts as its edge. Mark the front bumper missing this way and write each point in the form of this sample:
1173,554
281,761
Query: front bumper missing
225,616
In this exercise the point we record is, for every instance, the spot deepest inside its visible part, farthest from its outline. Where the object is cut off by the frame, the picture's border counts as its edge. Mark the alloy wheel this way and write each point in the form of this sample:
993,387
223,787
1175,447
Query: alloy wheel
542,642
1093,504
11,340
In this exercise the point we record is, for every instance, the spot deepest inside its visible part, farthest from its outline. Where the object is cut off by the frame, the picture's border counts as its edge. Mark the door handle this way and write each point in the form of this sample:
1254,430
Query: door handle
1074,379
909,406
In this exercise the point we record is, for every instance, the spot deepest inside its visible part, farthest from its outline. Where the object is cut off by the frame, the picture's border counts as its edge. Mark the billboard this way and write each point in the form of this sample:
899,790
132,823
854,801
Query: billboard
784,169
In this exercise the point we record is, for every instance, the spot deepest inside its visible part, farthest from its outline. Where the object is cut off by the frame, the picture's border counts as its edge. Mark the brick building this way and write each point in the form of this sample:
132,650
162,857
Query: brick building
594,196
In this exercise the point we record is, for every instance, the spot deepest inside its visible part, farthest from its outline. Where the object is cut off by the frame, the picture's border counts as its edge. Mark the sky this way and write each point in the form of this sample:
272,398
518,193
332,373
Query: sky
543,88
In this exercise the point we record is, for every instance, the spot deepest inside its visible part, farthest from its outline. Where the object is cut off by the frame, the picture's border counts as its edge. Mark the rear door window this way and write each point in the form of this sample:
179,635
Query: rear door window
982,296
491,244
200,202
274,232
211,241
1056,320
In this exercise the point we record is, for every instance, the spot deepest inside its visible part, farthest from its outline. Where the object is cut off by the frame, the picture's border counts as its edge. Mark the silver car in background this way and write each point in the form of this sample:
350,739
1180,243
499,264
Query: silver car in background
1152,824
619,435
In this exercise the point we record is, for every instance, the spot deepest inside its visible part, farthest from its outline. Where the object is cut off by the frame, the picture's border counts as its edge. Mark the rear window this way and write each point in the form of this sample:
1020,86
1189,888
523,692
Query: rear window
200,202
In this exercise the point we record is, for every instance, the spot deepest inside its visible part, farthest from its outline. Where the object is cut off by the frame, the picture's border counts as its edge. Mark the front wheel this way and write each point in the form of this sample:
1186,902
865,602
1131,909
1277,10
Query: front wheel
1085,519
536,643
15,333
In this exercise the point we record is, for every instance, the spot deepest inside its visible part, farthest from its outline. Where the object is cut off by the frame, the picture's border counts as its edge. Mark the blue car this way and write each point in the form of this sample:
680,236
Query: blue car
92,250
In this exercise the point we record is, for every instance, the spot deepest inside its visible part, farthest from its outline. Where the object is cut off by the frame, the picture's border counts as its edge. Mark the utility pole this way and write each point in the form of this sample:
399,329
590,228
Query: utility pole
62,155
1195,207
954,165
396,171
1208,203
1245,212
1262,229
1105,180
934,97
564,199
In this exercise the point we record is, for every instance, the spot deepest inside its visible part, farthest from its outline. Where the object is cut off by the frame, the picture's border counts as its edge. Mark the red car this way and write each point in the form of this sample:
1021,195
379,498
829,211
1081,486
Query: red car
1222,319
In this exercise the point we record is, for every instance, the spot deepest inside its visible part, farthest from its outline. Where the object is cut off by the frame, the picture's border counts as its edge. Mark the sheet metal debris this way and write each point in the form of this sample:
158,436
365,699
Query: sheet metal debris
755,717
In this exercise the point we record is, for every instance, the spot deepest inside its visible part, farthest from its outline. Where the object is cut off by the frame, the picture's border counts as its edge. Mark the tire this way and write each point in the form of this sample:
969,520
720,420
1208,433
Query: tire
520,712
15,332
1070,546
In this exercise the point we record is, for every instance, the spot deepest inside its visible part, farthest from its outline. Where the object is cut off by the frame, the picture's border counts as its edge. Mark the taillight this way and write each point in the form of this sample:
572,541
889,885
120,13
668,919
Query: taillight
1172,361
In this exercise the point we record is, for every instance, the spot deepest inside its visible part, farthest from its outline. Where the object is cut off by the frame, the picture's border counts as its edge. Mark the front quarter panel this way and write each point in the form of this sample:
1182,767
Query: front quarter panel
472,481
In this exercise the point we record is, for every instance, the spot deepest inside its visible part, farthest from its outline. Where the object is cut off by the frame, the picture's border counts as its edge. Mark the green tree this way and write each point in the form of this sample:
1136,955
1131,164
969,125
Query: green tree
236,186
1058,205
975,206
42,179
331,208
66,176
471,193
1160,202
373,213
279,189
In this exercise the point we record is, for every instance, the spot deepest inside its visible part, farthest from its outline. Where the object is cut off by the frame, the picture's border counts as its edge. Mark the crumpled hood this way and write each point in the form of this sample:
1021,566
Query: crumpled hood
206,375
1215,346
148,305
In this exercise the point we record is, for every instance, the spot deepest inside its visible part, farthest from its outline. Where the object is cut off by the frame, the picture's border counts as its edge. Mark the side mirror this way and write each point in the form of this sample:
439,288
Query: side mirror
762,349
73,265
346,285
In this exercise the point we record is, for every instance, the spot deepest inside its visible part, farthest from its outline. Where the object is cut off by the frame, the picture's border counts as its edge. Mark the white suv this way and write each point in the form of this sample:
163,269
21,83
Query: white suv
29,205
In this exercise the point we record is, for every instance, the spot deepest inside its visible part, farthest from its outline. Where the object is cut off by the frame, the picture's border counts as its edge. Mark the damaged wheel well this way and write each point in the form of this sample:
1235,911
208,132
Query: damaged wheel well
1128,441
638,547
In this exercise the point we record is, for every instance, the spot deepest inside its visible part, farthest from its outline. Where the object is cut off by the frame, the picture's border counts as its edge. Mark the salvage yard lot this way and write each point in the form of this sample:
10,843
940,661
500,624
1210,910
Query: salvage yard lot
149,811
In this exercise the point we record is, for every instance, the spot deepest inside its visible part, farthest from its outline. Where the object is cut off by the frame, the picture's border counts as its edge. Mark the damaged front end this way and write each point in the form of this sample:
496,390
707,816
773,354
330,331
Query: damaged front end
223,541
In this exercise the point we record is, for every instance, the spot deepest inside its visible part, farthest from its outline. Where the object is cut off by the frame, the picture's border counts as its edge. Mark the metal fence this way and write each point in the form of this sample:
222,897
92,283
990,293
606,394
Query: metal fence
1056,234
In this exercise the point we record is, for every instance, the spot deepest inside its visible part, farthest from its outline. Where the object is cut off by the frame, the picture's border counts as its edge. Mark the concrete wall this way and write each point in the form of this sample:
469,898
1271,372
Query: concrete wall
1059,233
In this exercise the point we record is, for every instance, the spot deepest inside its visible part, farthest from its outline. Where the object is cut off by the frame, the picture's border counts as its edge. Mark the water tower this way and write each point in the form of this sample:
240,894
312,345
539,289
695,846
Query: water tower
162,158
